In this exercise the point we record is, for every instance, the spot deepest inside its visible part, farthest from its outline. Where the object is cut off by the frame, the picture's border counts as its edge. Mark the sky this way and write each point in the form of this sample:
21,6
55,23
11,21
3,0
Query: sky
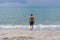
30,3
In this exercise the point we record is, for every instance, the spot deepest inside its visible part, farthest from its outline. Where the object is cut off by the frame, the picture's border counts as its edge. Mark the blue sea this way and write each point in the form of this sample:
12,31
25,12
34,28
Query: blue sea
19,16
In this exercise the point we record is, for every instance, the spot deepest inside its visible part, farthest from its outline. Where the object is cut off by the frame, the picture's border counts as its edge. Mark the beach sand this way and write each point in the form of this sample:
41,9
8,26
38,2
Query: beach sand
17,34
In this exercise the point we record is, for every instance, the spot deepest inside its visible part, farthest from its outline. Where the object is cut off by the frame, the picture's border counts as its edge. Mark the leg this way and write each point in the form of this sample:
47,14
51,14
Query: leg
31,27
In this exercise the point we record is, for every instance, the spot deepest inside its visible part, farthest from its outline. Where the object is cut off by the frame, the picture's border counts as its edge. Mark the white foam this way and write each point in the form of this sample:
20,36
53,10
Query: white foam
19,26
49,25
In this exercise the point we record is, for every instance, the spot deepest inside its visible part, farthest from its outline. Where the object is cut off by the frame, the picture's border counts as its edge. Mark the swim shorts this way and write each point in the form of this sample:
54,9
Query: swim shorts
31,23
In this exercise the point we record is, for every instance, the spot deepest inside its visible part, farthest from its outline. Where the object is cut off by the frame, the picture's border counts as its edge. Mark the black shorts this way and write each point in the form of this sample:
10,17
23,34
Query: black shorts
31,23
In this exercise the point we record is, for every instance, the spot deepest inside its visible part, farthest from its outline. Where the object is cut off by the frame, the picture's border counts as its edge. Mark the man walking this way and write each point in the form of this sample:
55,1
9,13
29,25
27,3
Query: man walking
31,21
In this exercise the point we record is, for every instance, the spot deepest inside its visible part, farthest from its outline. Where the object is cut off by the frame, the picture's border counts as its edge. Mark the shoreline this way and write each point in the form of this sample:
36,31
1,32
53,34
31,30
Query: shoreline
17,34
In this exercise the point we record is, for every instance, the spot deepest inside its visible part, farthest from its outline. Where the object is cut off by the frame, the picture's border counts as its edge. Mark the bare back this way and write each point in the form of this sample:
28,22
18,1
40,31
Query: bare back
31,18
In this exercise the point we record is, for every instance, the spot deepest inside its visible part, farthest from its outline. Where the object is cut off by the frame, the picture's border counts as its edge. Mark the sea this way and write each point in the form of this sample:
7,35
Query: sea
16,17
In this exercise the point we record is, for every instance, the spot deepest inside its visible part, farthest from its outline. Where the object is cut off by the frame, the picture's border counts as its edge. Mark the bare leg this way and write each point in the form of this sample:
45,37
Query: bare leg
31,27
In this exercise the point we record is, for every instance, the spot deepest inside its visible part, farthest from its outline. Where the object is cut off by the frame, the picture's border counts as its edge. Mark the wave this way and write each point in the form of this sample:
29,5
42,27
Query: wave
49,25
15,26
19,26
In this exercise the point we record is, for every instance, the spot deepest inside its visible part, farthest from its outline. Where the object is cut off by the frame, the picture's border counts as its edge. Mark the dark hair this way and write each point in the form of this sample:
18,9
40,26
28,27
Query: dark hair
31,14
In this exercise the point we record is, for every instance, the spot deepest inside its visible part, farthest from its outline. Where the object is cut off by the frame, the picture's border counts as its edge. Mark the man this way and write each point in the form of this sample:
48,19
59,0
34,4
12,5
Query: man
31,21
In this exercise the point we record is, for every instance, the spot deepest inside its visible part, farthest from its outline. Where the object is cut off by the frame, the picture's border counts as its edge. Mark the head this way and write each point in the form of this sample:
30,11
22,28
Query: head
31,14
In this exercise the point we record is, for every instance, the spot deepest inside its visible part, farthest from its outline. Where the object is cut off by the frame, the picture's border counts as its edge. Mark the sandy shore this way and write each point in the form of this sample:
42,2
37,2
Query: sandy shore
17,34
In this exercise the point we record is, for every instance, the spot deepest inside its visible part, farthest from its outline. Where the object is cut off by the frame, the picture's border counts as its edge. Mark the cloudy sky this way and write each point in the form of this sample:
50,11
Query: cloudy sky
30,3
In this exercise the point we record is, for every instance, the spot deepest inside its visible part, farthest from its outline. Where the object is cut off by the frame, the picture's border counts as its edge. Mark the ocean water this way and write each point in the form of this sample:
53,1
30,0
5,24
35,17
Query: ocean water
11,17
18,15
50,16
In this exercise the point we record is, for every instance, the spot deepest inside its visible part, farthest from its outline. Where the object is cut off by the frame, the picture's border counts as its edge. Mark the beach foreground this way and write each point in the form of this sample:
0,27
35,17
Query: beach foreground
17,34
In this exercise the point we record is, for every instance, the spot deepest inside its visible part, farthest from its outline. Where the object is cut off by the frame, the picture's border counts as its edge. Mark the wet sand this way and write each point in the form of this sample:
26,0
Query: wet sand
17,34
